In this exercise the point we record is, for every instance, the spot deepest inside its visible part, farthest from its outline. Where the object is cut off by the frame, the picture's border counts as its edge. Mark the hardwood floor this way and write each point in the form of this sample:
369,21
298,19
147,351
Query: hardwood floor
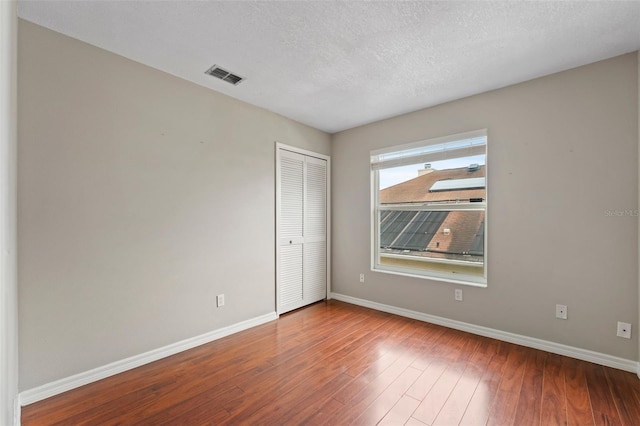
333,363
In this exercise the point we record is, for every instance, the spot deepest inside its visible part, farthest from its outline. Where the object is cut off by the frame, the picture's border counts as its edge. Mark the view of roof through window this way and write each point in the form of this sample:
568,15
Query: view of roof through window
430,201
445,234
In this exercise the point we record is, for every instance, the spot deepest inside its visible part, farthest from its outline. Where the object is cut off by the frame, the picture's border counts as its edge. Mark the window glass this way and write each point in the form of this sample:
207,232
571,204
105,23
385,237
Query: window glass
430,218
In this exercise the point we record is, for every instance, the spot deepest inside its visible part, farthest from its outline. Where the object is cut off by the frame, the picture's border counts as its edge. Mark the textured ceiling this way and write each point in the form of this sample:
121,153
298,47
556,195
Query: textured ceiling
337,65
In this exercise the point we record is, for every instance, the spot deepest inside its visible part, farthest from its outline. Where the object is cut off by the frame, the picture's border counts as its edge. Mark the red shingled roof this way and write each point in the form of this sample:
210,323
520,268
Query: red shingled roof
417,189
462,226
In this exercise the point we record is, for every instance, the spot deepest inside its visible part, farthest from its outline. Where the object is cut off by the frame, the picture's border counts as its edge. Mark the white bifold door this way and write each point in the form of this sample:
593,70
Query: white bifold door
302,230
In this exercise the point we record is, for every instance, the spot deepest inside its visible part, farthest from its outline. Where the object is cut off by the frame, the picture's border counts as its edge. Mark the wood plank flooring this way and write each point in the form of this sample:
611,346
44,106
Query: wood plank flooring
333,363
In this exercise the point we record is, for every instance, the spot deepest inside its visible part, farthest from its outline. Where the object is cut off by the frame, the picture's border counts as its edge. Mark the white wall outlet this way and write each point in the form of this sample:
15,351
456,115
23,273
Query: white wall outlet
220,300
624,330
561,311
458,294
361,278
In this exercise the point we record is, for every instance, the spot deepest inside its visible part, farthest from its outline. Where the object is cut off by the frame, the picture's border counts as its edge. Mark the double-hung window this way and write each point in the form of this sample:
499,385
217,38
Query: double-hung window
429,205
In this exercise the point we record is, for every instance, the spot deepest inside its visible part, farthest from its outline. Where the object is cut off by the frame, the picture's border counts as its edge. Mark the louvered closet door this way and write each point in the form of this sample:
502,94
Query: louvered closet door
315,231
302,261
291,224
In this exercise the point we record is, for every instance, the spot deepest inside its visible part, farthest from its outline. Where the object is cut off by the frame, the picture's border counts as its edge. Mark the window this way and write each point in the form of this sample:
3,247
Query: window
429,203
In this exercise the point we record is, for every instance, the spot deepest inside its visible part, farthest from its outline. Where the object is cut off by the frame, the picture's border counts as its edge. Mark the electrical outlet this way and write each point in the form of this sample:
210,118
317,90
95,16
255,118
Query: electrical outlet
624,330
458,294
561,311
361,278
220,300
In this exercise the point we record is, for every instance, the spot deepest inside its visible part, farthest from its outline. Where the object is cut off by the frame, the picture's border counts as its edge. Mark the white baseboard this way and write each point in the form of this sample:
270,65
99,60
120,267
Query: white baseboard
556,348
54,388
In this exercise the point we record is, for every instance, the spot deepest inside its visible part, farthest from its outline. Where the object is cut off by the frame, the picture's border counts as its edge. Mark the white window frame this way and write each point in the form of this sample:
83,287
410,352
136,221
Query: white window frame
386,158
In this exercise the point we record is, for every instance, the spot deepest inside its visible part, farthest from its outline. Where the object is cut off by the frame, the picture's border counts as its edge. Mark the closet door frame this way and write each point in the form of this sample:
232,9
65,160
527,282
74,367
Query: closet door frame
280,146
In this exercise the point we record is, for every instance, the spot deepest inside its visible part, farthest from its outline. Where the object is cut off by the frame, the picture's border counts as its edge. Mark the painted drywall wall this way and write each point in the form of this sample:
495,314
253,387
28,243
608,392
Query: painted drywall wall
8,238
141,197
562,152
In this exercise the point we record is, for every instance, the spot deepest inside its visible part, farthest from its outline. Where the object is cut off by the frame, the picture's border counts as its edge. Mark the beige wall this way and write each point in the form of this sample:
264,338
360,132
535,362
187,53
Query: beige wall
563,149
141,197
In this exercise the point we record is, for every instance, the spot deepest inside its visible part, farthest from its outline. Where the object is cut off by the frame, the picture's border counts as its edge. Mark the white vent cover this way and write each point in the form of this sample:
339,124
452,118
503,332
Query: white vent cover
224,75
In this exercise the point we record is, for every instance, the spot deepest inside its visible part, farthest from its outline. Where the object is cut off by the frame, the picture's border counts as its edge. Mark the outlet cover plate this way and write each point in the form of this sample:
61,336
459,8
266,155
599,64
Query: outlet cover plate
561,311
458,294
624,330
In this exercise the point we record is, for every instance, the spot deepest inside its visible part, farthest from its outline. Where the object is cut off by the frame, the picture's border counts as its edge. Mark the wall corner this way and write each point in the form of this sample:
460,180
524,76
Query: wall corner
9,414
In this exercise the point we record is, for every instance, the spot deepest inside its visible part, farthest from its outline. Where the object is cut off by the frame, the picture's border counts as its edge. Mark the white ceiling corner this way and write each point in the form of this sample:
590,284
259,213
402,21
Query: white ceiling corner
339,64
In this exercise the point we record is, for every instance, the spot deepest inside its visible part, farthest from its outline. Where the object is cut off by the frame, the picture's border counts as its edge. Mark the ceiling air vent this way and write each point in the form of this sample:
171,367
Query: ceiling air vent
223,74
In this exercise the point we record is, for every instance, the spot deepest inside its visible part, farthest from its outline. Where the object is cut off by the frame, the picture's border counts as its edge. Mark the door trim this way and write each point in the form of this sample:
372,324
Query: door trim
278,148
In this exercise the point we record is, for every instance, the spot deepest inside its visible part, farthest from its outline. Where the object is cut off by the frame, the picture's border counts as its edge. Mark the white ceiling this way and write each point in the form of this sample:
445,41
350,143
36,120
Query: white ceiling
336,65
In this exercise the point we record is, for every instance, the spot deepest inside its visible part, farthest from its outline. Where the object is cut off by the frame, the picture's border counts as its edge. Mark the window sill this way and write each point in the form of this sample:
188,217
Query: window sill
461,280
